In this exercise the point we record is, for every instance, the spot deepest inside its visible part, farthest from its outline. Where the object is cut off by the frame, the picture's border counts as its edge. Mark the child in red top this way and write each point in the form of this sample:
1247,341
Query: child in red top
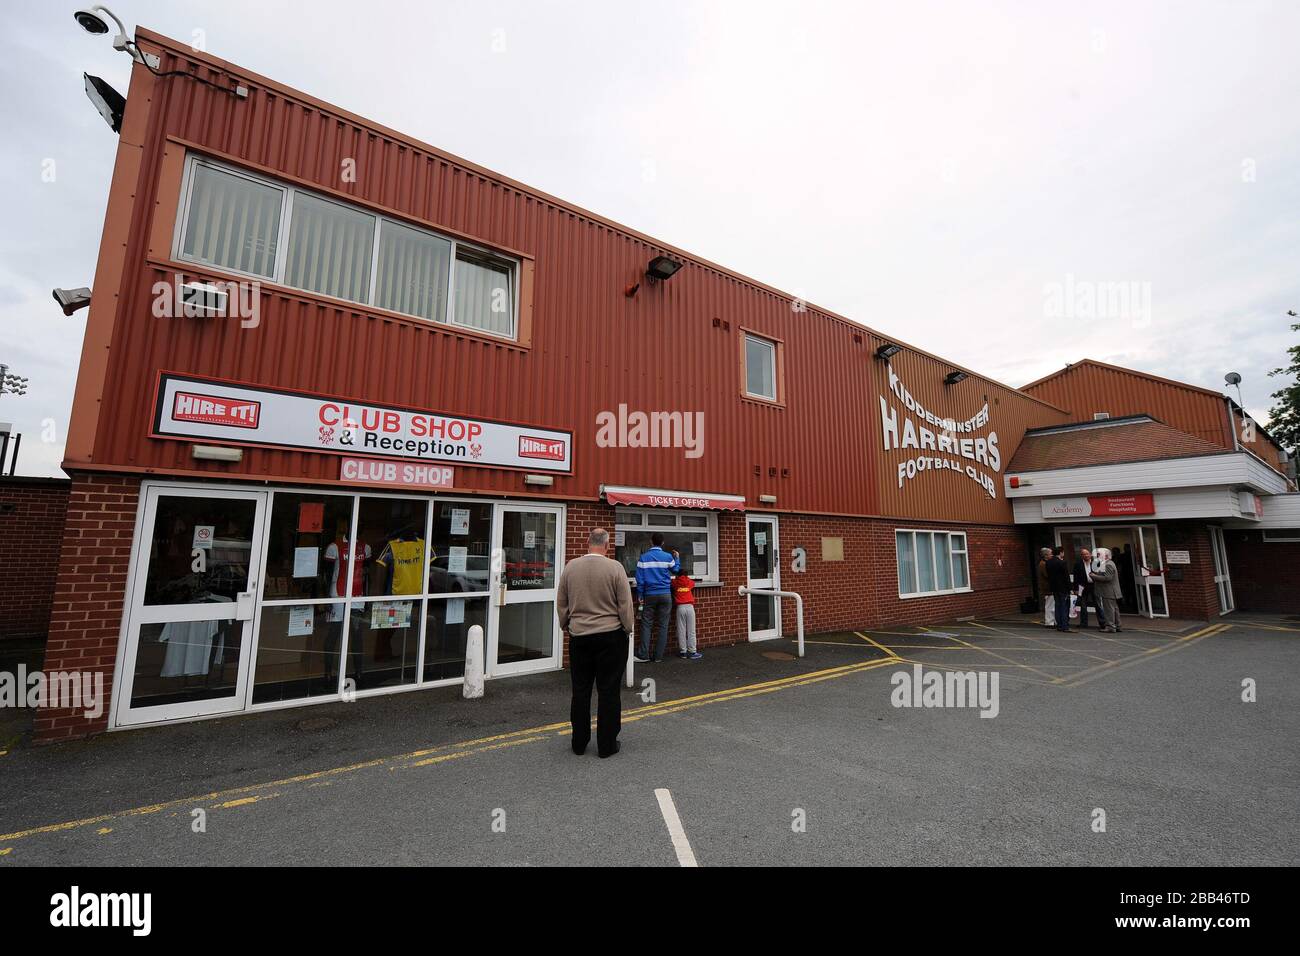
684,597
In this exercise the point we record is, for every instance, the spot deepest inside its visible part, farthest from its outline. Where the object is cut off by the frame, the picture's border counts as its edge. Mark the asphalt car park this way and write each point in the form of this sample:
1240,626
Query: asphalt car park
751,756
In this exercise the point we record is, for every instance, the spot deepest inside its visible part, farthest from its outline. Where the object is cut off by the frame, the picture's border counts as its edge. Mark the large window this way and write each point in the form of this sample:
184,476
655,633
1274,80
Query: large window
760,368
368,592
931,562
692,534
242,223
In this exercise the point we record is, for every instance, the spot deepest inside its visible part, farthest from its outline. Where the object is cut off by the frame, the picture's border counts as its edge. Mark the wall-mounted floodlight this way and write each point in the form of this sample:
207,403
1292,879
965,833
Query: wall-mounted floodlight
661,268
888,351
952,378
110,103
216,453
70,300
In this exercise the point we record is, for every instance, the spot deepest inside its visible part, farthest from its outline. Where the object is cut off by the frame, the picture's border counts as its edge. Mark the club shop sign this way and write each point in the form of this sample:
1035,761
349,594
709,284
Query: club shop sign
935,443
215,410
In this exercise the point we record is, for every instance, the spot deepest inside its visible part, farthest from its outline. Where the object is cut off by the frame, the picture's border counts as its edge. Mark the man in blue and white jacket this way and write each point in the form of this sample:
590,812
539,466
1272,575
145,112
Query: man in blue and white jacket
654,575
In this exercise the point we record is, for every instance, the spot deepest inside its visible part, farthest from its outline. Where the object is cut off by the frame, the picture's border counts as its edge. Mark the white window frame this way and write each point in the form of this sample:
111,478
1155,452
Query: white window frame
711,528
931,532
776,385
287,193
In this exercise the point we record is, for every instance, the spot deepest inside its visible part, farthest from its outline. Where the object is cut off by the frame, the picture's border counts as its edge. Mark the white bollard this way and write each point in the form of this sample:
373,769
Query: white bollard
631,642
473,688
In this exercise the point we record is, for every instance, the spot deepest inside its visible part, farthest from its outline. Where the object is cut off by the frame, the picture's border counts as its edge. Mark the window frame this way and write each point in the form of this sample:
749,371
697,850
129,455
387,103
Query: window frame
710,529
931,534
1272,535
775,346
288,190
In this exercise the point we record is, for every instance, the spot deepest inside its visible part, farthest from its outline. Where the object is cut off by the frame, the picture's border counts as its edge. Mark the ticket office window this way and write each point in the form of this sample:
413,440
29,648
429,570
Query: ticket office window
692,534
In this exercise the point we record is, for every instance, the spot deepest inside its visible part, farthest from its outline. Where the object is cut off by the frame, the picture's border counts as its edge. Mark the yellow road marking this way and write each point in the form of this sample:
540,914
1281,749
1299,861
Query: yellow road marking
1006,660
1267,627
870,640
953,667
6,851
102,831
236,796
1181,642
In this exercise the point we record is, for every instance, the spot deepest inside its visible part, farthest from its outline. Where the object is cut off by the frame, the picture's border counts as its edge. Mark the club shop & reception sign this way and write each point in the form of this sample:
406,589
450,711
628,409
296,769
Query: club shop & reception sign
190,408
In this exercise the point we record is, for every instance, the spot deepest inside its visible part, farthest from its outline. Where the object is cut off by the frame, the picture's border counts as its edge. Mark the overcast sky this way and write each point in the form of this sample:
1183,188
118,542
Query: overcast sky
961,175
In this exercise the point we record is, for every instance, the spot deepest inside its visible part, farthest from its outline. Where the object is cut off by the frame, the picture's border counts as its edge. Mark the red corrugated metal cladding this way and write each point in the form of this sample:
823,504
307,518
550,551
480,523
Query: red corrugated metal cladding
586,348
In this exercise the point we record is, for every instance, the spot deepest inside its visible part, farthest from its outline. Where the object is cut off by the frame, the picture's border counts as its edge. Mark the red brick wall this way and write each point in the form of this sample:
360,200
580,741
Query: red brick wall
32,513
87,617
1265,574
860,591
1196,596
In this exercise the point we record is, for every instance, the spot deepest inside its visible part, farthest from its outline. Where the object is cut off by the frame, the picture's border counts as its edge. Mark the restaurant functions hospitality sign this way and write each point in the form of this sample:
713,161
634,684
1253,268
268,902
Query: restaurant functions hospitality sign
214,410
1099,506
938,443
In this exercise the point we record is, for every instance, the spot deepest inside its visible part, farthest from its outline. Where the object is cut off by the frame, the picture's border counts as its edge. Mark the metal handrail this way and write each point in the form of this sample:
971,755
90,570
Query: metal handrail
798,601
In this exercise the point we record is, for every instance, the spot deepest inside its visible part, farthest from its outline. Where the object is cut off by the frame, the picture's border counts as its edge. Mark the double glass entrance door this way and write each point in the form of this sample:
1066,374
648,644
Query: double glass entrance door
1136,553
243,599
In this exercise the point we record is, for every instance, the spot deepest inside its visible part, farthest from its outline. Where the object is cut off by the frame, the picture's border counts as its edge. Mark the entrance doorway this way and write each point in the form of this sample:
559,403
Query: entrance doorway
190,611
1135,550
525,635
765,574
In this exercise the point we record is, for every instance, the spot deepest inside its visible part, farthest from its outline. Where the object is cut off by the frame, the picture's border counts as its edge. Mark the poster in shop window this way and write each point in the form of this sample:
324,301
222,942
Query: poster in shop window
456,611
189,408
301,620
390,614
460,521
305,562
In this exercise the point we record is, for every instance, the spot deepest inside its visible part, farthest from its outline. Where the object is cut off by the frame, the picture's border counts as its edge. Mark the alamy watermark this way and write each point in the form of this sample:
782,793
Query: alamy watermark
1085,299
62,690
921,688
637,429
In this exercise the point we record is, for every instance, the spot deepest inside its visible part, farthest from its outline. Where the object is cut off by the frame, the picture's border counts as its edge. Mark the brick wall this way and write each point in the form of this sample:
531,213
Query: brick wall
1196,596
32,513
1265,574
860,591
86,619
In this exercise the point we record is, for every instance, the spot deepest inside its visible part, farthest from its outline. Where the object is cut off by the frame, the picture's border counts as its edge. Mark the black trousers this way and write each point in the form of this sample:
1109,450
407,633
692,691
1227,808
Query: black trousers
597,659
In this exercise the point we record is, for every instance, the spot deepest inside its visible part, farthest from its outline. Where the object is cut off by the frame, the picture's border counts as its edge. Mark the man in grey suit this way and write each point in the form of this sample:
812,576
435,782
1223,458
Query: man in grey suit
1106,586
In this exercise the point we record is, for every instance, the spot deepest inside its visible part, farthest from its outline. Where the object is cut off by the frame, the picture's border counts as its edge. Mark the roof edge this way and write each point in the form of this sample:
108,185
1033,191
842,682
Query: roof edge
186,51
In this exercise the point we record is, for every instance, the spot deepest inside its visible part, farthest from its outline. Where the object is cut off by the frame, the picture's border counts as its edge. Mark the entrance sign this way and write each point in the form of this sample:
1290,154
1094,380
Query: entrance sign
1099,506
1178,557
940,443
217,410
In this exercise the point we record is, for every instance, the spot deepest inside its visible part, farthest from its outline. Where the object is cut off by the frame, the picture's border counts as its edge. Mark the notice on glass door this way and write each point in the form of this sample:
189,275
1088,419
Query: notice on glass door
456,558
460,521
301,620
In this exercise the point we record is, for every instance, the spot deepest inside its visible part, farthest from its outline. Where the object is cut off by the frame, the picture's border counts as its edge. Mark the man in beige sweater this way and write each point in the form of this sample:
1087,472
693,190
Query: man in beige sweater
594,604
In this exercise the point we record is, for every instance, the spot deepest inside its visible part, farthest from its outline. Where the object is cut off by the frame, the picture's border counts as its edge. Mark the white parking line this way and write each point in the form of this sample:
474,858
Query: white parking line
681,845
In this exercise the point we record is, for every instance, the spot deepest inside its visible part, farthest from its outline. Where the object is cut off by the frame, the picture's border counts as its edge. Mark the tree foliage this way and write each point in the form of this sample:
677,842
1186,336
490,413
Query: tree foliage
1284,416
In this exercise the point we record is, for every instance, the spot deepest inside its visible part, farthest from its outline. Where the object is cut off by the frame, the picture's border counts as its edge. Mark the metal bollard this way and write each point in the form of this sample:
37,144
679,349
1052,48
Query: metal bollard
631,643
473,687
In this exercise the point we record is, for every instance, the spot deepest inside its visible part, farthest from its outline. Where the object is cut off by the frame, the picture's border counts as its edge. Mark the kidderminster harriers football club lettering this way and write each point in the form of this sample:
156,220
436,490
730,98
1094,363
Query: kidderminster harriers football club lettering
190,408
941,444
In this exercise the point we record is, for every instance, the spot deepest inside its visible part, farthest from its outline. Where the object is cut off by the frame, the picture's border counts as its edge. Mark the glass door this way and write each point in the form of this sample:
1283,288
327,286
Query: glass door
764,573
524,636
1222,579
1153,572
192,599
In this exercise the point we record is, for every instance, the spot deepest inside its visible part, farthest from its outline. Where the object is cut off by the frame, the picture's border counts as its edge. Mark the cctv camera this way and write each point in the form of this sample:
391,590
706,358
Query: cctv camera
90,22
70,300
